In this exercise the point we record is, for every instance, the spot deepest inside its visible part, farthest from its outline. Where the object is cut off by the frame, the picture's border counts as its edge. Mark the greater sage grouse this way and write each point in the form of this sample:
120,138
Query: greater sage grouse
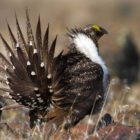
127,64
73,84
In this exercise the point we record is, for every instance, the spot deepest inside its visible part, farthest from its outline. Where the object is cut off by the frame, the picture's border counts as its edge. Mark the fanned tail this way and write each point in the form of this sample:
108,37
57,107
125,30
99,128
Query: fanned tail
31,71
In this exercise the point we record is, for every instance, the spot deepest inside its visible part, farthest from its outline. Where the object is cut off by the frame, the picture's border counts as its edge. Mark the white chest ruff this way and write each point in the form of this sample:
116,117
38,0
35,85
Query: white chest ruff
86,46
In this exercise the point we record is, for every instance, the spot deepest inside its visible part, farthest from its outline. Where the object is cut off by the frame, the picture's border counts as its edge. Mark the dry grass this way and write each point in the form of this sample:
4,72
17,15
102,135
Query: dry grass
122,103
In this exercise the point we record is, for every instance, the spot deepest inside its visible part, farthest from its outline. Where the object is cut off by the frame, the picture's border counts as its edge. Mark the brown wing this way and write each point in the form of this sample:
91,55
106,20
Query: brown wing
81,79
83,88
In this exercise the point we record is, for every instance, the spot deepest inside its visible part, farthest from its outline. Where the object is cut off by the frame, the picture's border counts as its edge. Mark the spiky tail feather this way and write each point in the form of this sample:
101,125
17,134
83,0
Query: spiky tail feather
30,74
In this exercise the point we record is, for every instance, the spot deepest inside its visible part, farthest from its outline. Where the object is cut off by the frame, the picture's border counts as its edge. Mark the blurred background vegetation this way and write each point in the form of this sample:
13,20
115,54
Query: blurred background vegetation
120,48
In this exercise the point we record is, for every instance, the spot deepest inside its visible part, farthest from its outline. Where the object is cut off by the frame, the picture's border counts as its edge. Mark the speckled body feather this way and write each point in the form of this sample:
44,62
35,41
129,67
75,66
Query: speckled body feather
83,86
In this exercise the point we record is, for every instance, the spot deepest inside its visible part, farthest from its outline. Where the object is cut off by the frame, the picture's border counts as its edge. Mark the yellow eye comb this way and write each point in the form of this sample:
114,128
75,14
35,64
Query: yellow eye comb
94,26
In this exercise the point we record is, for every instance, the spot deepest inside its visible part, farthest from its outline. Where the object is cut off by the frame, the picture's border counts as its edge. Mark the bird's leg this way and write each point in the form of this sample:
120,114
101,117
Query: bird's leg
76,114
105,121
34,118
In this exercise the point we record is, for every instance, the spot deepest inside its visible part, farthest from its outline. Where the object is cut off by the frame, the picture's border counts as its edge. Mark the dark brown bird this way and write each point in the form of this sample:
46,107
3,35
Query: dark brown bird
127,64
69,85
